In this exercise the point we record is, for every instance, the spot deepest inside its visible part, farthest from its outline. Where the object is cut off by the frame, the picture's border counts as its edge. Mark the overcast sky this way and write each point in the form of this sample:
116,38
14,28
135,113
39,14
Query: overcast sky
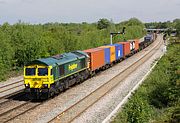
42,11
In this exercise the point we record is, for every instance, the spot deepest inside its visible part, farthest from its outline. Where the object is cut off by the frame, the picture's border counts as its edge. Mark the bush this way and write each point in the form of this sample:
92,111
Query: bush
137,110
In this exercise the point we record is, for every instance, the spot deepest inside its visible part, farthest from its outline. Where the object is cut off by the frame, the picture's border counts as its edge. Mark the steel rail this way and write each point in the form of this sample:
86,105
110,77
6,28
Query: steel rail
65,116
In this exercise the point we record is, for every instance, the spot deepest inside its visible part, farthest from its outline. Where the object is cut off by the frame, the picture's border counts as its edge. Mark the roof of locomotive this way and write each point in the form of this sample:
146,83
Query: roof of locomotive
59,59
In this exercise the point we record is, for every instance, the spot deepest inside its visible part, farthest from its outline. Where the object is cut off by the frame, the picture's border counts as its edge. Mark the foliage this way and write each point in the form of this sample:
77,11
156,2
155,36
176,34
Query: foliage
103,23
23,42
139,110
175,24
177,27
6,54
160,25
134,21
158,99
134,28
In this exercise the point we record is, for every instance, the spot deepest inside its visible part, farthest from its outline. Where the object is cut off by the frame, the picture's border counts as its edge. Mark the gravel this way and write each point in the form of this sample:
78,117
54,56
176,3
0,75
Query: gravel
12,88
98,112
11,80
53,107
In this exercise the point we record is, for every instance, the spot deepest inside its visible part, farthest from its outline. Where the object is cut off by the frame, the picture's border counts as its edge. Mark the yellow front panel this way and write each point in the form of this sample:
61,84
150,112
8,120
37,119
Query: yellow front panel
38,81
35,82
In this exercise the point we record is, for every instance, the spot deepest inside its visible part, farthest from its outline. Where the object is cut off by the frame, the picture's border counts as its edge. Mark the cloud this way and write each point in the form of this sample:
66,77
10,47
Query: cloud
28,1
178,4
39,11
2,2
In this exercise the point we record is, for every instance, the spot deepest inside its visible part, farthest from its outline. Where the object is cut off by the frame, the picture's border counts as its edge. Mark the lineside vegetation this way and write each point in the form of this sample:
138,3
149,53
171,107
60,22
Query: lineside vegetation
23,42
158,98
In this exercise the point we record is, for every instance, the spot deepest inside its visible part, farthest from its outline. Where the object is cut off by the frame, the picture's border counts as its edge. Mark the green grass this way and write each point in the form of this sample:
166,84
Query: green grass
158,98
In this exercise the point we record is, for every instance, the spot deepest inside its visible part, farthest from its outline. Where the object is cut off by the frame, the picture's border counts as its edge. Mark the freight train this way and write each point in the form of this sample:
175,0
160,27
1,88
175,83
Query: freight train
46,77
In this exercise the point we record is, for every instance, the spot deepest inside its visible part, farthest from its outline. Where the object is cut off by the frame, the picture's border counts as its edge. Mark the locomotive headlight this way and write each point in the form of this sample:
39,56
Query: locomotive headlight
27,85
45,85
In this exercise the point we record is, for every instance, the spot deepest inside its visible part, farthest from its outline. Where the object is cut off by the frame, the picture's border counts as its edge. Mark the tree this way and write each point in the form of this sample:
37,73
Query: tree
133,22
177,26
176,20
103,23
6,54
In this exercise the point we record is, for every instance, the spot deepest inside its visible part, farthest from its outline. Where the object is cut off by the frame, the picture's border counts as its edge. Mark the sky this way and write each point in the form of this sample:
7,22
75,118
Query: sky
77,11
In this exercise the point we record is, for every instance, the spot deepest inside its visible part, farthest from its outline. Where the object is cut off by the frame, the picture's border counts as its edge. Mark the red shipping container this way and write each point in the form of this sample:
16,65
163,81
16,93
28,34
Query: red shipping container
97,59
126,48
136,44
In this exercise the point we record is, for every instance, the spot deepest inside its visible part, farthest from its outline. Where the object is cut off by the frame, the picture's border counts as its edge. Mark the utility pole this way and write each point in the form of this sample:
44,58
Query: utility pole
116,33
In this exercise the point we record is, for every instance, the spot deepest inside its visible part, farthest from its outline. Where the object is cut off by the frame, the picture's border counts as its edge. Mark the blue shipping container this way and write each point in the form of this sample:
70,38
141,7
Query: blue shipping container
106,55
119,50
148,38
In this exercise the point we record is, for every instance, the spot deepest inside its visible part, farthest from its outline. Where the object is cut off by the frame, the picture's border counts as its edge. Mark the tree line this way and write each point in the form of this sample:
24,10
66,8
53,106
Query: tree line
22,42
170,25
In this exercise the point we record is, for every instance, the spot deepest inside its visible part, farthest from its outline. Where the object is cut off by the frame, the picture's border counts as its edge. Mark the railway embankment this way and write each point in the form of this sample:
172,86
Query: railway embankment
158,98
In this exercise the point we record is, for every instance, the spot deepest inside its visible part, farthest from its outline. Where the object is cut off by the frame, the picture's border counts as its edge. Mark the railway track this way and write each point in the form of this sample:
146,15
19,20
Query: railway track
14,104
8,93
11,97
8,89
10,84
12,113
82,105
7,96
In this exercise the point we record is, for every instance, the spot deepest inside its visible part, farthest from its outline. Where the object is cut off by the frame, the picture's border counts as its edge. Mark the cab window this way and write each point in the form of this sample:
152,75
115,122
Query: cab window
42,71
30,71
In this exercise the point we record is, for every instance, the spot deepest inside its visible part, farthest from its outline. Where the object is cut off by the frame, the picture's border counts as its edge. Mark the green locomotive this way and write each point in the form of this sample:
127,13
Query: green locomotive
46,77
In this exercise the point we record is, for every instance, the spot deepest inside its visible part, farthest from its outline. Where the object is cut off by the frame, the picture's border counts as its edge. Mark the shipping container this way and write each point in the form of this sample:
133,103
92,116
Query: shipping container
112,52
107,55
132,45
148,37
118,50
136,44
126,48
97,59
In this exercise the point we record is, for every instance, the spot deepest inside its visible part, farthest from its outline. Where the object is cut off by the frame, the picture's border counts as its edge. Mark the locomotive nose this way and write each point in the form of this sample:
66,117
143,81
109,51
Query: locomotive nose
37,84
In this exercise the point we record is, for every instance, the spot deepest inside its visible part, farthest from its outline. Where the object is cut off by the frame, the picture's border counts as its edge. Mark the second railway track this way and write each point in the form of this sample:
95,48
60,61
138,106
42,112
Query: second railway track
4,86
11,89
15,103
18,110
82,105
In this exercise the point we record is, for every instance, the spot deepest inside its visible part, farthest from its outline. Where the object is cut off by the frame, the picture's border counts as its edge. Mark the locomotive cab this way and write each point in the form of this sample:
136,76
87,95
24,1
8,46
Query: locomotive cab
37,76
44,78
